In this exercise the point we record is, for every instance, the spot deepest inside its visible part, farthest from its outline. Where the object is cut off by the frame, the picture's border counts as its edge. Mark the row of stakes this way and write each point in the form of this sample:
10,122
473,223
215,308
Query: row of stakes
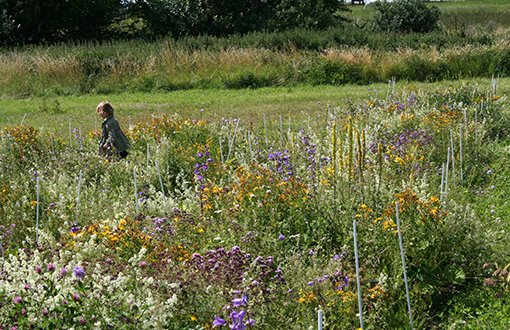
444,187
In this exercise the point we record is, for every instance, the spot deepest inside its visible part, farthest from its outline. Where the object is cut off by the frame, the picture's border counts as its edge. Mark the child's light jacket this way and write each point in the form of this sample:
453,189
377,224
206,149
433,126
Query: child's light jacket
111,134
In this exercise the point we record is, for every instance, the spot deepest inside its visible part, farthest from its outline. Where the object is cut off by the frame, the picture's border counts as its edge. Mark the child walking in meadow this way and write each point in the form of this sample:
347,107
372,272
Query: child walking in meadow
113,141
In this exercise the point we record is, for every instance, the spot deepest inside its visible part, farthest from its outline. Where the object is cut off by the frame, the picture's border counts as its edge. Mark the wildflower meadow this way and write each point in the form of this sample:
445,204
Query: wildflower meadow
230,224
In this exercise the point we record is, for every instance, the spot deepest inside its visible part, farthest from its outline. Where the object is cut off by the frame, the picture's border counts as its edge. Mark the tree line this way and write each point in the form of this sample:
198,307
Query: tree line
54,21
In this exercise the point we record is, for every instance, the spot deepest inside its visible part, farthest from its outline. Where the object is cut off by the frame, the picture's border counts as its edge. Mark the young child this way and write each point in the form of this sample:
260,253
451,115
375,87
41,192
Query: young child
113,141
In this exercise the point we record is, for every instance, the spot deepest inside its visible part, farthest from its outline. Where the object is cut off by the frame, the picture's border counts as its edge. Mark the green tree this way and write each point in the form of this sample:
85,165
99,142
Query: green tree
49,21
311,14
405,16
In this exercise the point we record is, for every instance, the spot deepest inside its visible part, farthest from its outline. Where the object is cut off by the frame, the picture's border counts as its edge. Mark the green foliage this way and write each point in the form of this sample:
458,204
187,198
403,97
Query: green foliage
404,16
36,21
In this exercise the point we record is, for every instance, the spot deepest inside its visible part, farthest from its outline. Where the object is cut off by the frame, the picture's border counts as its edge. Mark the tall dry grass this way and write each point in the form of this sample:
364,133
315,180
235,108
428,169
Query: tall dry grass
118,67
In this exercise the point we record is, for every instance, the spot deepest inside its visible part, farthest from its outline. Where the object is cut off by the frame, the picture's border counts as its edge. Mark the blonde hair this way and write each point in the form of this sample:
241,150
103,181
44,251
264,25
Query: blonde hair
105,107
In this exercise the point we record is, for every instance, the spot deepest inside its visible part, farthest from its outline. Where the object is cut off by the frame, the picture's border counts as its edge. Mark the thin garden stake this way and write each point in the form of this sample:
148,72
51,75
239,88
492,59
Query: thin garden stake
78,200
442,184
393,89
147,161
221,153
319,320
446,174
360,302
70,140
281,136
460,147
161,183
81,145
232,141
476,131
497,86
22,120
251,152
404,266
465,117
453,158
265,127
228,136
37,214
136,192
388,92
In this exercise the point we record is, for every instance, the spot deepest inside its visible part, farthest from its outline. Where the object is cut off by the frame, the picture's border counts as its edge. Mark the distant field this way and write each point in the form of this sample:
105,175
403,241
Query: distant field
248,104
467,13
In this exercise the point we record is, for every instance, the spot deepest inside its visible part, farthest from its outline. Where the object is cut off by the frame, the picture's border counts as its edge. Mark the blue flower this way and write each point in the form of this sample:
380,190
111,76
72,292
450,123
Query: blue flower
240,301
79,272
218,321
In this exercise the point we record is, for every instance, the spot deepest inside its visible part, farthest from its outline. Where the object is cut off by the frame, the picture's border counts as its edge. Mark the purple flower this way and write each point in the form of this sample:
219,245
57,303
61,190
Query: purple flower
63,271
143,264
38,269
83,321
489,172
65,302
240,301
311,252
281,237
310,283
76,297
337,256
218,321
79,272
17,300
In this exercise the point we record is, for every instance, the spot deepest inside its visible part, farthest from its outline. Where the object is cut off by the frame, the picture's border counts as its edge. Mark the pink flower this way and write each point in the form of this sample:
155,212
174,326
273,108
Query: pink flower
17,300
50,268
83,321
143,264
38,269
63,271
44,312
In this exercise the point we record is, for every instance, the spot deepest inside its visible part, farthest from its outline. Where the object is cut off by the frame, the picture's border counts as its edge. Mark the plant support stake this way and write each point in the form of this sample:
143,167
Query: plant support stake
265,128
136,192
319,320
221,153
442,183
231,144
37,214
453,158
162,189
22,120
404,265
446,175
70,139
460,147
251,152
147,161
78,199
360,302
